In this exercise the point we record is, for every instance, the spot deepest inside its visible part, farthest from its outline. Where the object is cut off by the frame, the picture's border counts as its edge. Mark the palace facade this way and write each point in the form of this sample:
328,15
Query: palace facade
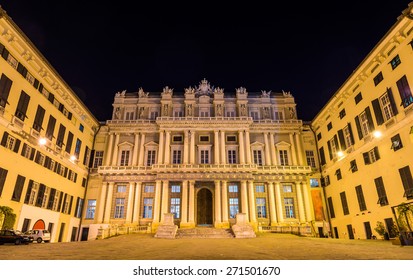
365,139
203,155
46,136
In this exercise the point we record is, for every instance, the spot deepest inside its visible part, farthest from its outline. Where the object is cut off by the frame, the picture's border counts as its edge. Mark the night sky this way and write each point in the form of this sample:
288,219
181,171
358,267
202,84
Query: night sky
308,49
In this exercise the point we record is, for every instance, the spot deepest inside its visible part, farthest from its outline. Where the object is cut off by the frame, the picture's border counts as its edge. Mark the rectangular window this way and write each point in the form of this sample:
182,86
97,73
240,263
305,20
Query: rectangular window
60,135
149,189
5,86
395,62
119,208
254,115
121,189
396,142
289,207
177,139
310,158
329,126
378,78
278,115
11,143
204,138
175,188
38,119
338,174
322,156
360,198
287,188
78,147
231,138
257,157
22,106
381,192
331,207
147,208
364,123
404,90
230,114
260,203
69,142
333,147
233,207
371,156
154,115
260,189
283,157
344,203
98,161
342,113
3,176
204,114
18,188
319,136
358,98
204,157
175,207
233,188
176,156
407,181
50,128
384,107
79,206
353,166
348,136
151,157
124,158
232,156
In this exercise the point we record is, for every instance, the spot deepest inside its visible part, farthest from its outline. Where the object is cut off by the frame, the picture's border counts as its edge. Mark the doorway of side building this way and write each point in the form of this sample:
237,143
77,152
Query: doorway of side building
204,207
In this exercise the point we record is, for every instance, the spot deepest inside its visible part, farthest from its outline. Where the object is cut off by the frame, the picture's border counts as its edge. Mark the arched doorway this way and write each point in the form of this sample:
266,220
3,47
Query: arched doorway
39,225
204,207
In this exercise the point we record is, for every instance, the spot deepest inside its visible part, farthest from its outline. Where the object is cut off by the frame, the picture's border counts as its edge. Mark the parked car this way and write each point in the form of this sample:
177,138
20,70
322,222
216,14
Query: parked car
39,235
13,236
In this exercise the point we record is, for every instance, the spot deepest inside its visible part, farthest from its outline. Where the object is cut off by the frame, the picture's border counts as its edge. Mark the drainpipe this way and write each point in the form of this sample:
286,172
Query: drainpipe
87,183
323,187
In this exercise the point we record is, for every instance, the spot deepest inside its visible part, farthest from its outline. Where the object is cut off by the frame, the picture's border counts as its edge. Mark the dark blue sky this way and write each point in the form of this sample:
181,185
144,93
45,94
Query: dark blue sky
308,49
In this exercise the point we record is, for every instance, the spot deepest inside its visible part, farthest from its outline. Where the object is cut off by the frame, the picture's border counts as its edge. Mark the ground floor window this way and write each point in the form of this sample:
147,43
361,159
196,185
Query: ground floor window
233,207
175,207
119,208
261,207
289,207
147,208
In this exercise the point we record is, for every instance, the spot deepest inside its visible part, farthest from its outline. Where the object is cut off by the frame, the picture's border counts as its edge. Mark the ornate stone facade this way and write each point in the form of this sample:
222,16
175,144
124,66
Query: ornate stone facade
204,156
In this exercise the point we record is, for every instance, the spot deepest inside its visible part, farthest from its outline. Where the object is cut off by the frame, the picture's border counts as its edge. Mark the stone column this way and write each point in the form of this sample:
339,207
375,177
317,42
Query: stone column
244,199
293,153
253,215
109,148
279,202
222,146
216,147
191,213
135,150
267,150
184,215
301,213
224,201
241,147
157,207
108,207
165,199
137,203
168,148
299,149
307,205
248,147
273,153
186,147
217,204
130,203
141,150
272,204
115,150
192,153
161,147
102,200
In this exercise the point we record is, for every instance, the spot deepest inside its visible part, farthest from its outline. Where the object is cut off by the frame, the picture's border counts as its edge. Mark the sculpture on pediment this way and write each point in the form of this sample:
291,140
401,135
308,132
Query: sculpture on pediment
287,93
189,110
190,90
265,94
142,94
165,111
266,113
117,113
241,90
243,110
218,111
218,91
204,88
167,90
121,94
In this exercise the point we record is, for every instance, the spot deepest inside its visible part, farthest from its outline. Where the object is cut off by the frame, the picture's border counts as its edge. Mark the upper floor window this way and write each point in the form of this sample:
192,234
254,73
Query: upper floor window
124,158
396,142
329,126
342,113
333,147
384,107
176,156
371,156
364,123
154,115
98,161
151,154
283,157
278,115
5,86
22,106
310,158
204,156
232,156
378,78
257,157
358,98
360,198
407,181
395,62
10,142
254,115
404,90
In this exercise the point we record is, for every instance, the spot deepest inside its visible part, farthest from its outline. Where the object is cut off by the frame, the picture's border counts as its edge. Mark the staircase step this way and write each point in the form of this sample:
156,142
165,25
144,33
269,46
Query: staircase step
204,232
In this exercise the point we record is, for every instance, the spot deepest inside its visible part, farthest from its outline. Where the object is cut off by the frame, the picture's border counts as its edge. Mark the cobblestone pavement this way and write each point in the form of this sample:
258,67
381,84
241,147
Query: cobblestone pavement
266,246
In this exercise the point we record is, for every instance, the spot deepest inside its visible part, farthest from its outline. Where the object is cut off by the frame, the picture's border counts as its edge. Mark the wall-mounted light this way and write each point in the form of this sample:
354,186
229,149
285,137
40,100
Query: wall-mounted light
42,141
377,134
73,158
340,154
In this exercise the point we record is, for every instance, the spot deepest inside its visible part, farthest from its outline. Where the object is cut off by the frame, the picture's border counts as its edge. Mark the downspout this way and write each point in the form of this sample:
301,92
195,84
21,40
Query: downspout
87,183
323,187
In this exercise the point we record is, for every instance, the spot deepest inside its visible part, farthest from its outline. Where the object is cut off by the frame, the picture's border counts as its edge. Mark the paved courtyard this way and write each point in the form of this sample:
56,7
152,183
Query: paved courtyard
266,246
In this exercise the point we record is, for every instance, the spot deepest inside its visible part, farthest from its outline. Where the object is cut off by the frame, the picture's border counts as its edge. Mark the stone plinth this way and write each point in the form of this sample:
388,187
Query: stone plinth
241,228
167,229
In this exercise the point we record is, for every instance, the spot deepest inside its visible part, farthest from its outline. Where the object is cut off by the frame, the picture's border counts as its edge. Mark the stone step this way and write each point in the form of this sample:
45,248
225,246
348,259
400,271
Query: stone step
204,232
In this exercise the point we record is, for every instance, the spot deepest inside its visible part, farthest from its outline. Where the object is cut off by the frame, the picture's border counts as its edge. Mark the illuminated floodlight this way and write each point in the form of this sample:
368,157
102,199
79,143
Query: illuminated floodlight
73,158
340,154
42,141
377,134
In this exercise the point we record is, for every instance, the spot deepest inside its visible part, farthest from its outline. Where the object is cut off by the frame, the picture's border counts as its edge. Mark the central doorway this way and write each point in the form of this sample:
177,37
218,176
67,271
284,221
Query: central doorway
204,207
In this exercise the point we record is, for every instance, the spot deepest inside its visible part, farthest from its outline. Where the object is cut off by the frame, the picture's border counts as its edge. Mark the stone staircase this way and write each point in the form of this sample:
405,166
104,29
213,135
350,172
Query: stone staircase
204,232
